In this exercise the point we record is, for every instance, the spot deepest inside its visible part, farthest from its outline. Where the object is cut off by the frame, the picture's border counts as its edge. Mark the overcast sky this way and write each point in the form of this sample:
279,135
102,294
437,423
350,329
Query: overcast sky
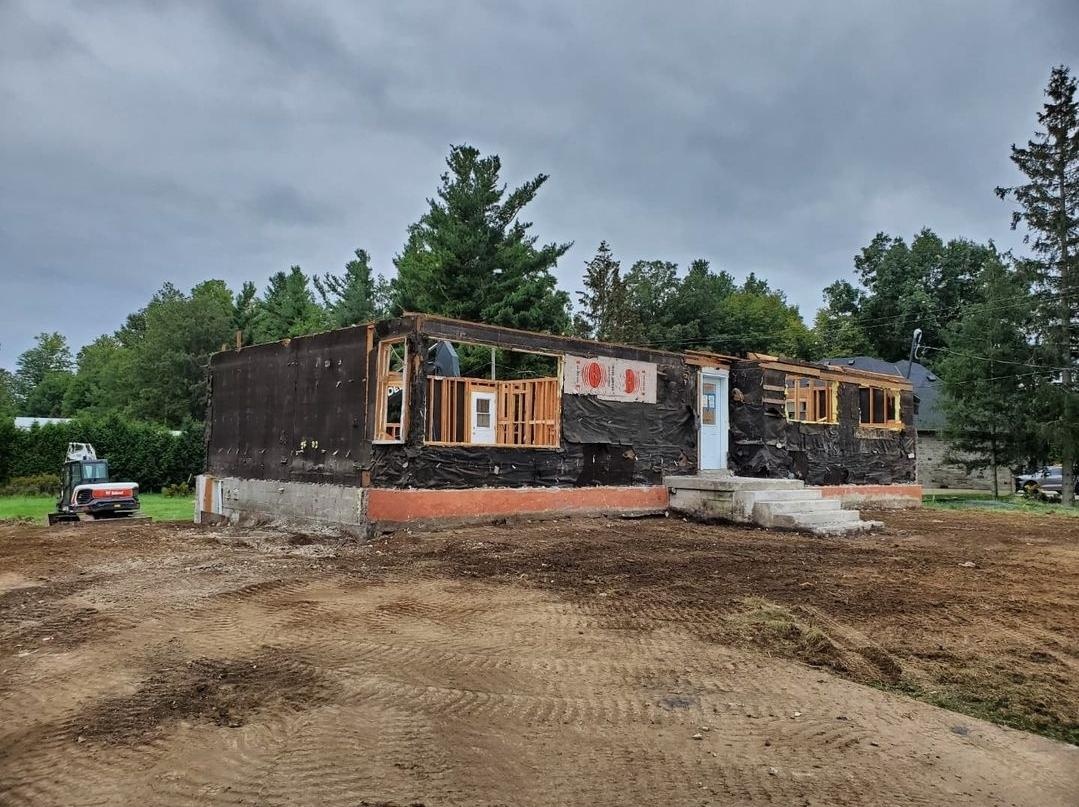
155,141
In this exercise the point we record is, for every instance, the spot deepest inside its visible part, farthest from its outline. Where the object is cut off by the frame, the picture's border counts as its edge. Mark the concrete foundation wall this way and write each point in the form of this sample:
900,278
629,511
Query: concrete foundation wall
248,501
706,504
364,511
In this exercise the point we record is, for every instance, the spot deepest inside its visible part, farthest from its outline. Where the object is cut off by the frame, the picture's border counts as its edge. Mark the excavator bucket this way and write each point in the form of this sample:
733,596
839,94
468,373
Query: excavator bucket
62,518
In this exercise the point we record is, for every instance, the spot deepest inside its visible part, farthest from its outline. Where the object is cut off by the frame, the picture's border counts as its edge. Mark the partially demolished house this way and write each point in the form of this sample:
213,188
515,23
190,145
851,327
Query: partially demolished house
428,419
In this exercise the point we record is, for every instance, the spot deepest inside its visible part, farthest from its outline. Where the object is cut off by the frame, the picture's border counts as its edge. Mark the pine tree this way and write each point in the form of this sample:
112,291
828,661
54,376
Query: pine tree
602,303
245,307
1049,207
989,390
349,299
287,308
470,255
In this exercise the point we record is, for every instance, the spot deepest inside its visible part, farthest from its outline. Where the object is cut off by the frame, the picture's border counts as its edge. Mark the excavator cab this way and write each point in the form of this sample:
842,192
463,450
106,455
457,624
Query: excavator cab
87,493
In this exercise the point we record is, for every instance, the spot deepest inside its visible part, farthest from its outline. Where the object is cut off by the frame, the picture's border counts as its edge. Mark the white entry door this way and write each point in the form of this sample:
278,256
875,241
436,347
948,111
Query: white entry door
713,411
483,417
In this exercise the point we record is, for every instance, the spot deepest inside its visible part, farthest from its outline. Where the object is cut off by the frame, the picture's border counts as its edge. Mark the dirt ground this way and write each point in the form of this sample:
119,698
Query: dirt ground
590,662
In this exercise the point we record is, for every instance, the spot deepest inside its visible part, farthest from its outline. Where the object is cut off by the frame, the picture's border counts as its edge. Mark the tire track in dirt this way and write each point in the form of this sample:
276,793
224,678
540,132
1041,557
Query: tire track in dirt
411,684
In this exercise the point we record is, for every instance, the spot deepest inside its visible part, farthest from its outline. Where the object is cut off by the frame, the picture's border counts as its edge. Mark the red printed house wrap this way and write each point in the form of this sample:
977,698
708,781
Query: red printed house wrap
609,379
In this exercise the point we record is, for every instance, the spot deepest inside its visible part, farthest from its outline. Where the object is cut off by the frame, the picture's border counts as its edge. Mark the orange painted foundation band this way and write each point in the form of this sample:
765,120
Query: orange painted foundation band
388,505
834,491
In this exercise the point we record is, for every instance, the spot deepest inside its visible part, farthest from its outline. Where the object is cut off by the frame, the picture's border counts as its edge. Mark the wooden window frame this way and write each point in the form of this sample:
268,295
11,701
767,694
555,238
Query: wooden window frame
385,378
888,395
810,396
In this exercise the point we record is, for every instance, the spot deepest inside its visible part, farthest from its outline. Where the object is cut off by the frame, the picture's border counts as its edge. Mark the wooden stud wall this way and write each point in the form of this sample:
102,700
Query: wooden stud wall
526,412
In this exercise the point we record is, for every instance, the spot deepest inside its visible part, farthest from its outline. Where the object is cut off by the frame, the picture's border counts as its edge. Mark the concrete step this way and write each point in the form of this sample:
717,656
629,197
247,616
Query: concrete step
782,503
795,521
799,495
785,506
731,483
845,528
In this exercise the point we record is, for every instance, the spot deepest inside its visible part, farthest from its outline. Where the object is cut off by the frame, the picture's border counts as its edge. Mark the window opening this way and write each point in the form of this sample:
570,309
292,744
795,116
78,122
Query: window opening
810,400
496,397
392,390
878,406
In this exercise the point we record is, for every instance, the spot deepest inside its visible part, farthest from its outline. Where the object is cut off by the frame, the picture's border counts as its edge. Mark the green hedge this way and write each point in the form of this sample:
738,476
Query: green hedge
35,485
137,452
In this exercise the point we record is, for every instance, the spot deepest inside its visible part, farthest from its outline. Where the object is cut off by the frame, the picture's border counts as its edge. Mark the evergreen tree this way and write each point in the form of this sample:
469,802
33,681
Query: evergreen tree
245,309
989,391
603,301
470,255
349,298
287,308
1049,207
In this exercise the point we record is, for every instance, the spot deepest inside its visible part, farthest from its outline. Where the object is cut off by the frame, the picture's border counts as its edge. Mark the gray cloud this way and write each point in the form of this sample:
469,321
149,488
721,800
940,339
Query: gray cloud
182,140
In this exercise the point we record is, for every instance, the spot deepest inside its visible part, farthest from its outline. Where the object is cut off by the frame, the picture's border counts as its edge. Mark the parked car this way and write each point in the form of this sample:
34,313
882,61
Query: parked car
1049,482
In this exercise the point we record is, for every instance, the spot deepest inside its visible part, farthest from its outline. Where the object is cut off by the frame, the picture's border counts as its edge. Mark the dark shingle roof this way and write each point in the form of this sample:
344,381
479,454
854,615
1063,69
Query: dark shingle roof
926,385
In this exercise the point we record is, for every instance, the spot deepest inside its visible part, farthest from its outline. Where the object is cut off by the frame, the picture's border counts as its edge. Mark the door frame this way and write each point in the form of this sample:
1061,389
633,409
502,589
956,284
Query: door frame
723,414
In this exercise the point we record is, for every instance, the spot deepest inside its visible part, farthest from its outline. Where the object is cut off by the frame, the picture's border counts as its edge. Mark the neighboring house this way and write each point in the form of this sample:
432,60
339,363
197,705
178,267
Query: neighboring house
409,420
933,469
25,424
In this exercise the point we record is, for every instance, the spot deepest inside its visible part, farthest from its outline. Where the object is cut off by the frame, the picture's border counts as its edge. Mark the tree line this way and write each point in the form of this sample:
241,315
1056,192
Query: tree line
999,330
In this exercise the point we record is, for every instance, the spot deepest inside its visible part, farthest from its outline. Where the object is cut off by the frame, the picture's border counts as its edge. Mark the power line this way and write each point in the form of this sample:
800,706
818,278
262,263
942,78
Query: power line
991,360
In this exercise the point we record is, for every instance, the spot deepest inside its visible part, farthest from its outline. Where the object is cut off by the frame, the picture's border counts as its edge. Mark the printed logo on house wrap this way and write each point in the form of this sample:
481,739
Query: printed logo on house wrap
609,379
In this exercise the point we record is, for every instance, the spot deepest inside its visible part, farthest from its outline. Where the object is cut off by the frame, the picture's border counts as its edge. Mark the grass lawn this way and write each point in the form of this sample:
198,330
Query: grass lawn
1007,503
159,507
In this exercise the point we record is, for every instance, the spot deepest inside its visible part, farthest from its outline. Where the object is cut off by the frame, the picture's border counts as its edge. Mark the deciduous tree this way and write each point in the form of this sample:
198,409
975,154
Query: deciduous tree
168,363
50,354
838,326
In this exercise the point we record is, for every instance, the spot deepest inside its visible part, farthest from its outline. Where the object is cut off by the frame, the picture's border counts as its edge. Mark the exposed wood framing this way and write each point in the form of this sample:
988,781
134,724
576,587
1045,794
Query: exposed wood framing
844,375
543,344
700,358
388,377
879,407
811,400
527,413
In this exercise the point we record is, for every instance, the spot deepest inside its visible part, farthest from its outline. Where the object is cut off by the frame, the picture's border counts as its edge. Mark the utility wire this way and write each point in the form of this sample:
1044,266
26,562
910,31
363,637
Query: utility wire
989,359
